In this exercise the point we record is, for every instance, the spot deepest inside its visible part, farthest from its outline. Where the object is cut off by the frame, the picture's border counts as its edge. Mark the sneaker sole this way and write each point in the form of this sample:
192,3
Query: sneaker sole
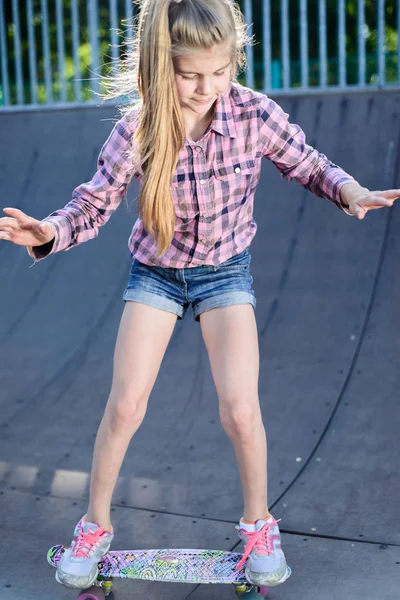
77,586
267,583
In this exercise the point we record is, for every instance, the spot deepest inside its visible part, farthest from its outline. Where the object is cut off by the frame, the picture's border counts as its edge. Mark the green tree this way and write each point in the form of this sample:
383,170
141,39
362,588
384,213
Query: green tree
391,41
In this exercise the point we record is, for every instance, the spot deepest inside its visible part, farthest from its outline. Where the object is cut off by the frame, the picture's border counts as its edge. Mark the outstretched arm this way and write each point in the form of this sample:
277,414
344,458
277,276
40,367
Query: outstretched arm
93,202
284,143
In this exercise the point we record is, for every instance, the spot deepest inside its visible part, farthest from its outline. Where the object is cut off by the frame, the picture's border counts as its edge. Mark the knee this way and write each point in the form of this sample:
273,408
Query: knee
126,412
241,421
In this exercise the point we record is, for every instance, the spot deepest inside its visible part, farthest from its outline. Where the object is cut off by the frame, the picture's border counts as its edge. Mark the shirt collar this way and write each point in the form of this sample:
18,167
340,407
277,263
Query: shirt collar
223,122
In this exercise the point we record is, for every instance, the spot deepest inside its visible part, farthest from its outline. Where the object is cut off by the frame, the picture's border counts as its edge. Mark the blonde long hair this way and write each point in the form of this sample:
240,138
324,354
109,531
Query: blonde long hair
164,30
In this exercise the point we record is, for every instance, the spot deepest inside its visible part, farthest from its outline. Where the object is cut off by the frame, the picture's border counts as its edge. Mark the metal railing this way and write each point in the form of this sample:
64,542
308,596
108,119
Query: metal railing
52,51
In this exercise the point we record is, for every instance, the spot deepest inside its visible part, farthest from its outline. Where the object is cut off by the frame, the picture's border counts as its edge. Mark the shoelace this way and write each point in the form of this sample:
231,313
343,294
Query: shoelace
260,541
86,542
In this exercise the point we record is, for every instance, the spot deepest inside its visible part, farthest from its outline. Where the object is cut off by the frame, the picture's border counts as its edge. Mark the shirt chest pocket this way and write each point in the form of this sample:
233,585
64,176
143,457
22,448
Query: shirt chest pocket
235,172
185,202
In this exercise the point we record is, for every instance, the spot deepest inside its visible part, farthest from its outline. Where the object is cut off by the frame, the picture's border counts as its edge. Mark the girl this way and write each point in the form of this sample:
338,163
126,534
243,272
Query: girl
195,140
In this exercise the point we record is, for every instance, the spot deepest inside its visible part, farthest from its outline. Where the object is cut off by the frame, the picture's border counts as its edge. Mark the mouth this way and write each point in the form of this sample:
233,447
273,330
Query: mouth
203,101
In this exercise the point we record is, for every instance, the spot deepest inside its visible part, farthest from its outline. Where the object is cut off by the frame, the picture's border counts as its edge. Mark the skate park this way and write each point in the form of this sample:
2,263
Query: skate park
327,290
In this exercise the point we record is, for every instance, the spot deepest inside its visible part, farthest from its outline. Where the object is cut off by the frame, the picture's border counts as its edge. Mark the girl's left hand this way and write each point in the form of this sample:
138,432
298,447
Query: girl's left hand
358,200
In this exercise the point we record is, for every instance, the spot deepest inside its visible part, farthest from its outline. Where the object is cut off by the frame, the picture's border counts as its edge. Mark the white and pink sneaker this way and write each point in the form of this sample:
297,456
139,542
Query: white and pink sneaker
266,562
78,566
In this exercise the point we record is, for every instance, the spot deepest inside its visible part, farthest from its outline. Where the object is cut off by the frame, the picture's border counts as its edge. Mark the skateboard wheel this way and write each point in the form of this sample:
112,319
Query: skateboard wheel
93,593
251,593
263,591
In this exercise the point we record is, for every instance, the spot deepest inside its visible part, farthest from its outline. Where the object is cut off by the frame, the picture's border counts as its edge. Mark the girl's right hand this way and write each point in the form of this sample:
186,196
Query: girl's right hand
22,230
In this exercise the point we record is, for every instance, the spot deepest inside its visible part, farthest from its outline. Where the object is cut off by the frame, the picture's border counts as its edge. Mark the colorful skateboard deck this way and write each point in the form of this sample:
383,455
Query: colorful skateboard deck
176,566
188,566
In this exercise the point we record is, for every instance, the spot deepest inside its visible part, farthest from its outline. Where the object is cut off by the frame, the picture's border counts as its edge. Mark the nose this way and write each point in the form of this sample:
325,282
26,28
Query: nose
205,87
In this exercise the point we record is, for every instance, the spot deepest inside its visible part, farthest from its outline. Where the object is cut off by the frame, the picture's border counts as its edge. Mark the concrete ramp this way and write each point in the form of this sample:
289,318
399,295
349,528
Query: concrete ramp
328,292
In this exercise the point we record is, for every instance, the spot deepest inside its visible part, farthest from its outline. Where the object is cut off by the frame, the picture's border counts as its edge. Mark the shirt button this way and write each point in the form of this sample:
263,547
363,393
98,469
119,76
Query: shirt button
202,181
205,242
205,216
237,170
198,148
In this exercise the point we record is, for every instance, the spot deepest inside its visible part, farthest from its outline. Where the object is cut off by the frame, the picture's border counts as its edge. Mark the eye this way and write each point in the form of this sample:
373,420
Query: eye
194,77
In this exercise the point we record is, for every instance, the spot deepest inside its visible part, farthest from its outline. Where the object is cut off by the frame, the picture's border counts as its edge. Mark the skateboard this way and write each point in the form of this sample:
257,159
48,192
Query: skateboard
175,566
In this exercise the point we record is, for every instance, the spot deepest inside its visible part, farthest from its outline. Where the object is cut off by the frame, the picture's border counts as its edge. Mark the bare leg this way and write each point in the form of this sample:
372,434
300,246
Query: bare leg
143,337
230,335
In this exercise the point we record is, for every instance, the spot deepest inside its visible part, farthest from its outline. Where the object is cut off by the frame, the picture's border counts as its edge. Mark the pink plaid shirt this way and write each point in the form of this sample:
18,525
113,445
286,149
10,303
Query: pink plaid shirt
213,186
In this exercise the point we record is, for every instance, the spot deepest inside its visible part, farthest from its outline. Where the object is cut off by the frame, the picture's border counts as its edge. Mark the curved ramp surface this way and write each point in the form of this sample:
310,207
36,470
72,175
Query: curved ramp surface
328,292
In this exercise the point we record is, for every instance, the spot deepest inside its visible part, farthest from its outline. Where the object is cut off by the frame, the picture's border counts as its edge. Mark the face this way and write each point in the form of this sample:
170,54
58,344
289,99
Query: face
201,78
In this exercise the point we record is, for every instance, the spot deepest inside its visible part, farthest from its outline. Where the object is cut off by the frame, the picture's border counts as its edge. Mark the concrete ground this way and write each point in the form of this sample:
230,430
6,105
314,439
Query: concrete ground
328,296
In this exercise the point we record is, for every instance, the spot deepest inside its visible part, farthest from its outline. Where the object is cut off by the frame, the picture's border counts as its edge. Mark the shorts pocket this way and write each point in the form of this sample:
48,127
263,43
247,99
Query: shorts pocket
239,261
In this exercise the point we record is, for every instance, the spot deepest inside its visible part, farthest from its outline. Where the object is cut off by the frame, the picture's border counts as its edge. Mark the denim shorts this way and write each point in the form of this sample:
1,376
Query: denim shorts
204,287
